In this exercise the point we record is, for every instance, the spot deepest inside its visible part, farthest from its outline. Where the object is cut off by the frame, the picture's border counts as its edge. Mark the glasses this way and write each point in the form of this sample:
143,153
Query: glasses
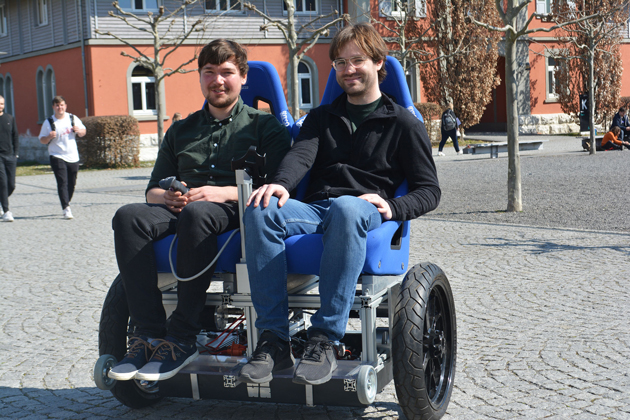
357,62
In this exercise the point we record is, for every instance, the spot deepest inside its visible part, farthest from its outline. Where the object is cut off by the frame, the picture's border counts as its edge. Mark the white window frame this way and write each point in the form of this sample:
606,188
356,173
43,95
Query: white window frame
41,12
142,81
305,76
302,12
390,8
132,6
233,6
3,21
550,79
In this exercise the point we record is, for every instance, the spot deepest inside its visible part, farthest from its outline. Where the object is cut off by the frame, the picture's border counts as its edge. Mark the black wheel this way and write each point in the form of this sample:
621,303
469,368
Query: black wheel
112,339
424,343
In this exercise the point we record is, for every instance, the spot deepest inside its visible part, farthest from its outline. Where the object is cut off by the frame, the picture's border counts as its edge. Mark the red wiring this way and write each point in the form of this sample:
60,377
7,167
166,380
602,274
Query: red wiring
227,333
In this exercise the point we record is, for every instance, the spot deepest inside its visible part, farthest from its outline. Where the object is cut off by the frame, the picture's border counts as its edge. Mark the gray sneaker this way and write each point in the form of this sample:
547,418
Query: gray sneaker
318,362
272,354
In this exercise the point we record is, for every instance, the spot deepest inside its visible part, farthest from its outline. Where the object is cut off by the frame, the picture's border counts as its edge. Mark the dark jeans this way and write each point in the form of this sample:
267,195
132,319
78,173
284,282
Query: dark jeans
66,176
7,179
453,135
136,226
612,146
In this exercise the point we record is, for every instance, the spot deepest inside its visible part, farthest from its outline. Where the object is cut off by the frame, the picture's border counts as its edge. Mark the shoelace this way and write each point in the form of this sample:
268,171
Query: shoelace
137,344
164,348
313,350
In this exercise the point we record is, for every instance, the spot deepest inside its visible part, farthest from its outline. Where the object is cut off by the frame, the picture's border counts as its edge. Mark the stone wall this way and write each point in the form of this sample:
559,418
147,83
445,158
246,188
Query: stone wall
547,124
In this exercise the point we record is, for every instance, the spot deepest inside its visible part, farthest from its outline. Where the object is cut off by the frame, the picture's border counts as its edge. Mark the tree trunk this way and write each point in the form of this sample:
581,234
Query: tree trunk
514,163
591,101
293,81
160,105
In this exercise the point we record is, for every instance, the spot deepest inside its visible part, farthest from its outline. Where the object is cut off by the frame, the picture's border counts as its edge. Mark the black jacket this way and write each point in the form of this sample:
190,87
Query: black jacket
9,138
620,122
390,145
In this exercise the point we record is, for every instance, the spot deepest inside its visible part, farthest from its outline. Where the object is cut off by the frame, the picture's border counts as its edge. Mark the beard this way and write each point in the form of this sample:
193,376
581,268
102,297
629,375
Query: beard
224,101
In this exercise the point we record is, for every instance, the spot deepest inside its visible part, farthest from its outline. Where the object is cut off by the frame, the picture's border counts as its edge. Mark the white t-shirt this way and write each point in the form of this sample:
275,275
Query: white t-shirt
64,146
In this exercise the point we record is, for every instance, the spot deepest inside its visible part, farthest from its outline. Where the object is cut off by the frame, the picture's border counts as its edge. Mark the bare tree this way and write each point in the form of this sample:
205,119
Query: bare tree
165,42
585,62
515,27
299,41
467,80
401,29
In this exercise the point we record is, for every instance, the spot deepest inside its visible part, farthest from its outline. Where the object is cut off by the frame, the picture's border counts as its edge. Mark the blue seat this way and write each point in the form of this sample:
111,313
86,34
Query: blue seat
387,246
263,85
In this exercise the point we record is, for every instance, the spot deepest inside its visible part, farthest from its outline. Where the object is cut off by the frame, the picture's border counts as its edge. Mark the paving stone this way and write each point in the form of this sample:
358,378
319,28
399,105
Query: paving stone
542,313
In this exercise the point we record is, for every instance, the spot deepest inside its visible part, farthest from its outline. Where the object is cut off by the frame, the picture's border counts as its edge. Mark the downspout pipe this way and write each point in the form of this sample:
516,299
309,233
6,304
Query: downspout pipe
85,89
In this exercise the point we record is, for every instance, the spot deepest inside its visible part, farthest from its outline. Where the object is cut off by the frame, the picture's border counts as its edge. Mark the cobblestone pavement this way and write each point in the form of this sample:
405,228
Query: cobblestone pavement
543,315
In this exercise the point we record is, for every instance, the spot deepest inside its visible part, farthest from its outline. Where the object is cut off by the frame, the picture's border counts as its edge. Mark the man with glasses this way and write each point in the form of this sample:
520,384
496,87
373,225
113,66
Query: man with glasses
359,149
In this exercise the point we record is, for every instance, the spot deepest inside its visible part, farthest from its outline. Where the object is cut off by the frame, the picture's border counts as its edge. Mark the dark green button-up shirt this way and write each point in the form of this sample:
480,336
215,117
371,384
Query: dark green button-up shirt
199,149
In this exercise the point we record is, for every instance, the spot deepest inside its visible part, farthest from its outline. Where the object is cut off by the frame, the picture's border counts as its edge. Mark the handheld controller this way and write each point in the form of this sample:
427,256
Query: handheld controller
171,183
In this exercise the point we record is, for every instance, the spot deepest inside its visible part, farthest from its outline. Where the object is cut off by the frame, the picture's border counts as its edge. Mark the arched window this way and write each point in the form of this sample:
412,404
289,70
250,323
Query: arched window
143,91
8,95
46,91
305,84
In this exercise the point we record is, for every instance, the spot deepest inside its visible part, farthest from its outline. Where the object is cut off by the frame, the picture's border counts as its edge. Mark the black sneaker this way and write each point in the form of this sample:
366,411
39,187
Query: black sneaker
318,362
169,357
138,355
272,354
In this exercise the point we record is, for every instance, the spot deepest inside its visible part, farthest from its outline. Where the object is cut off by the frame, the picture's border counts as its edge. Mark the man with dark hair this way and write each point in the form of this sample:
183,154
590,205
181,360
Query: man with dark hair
359,149
9,148
198,151
621,120
59,133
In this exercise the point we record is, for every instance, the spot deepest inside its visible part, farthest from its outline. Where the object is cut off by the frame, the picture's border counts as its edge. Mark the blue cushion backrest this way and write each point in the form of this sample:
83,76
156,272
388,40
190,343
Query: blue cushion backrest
263,83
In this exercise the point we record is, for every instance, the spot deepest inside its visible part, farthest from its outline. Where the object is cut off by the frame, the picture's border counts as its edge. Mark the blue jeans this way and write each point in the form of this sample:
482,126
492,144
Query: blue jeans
344,222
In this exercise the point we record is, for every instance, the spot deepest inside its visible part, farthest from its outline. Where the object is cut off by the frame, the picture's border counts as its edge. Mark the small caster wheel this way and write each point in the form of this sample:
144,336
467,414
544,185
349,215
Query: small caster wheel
366,384
101,368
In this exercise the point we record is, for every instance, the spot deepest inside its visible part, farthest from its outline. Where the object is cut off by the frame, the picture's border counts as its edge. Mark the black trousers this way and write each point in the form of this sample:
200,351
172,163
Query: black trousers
66,176
136,226
7,179
445,135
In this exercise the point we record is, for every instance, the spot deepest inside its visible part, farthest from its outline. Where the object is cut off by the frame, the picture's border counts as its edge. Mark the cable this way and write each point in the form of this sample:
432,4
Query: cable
170,258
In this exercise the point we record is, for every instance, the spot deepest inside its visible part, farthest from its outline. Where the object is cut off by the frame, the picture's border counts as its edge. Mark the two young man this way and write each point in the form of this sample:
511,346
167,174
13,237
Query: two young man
63,151
359,150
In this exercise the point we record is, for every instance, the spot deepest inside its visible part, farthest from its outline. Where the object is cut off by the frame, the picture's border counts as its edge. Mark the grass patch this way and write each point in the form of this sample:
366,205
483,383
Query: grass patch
35,168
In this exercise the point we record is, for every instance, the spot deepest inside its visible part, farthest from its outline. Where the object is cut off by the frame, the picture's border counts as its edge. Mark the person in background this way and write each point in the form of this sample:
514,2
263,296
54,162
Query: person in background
177,116
621,120
59,132
611,142
448,129
9,148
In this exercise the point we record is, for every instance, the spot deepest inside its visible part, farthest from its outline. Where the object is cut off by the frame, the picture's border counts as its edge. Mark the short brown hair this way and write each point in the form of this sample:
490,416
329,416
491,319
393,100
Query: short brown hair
616,131
367,39
221,50
58,99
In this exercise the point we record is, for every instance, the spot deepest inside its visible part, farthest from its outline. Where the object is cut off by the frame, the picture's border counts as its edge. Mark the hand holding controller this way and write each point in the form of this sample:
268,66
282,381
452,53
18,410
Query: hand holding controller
171,183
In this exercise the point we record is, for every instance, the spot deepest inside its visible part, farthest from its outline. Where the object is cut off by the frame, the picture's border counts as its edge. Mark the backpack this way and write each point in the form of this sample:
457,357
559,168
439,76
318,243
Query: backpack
52,124
448,122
